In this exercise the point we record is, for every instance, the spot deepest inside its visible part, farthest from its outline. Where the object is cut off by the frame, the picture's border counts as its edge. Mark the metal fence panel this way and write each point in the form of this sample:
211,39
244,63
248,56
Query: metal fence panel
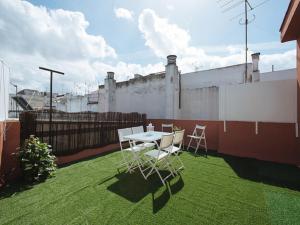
73,132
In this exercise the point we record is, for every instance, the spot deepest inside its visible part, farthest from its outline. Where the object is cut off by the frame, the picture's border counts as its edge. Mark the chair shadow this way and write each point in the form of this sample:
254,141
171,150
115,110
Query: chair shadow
133,187
130,186
172,187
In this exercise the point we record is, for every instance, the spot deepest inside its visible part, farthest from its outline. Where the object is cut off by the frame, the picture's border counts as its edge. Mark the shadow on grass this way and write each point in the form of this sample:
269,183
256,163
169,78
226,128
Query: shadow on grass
202,153
275,174
12,189
134,188
173,186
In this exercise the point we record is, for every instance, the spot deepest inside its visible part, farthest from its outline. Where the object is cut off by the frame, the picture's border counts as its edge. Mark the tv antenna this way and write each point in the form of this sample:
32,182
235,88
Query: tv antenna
228,5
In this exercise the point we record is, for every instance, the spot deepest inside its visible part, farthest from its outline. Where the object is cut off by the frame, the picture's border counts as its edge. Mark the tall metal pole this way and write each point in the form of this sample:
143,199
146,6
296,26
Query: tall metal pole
246,41
16,86
50,111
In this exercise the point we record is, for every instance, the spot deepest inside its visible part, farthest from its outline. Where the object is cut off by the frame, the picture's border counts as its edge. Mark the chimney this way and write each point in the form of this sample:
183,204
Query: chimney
110,93
110,75
171,59
255,61
172,89
255,68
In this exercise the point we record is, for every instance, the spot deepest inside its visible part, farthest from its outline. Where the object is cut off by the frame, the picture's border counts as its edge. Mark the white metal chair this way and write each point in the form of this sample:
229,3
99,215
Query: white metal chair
168,127
199,136
160,159
131,161
175,149
140,129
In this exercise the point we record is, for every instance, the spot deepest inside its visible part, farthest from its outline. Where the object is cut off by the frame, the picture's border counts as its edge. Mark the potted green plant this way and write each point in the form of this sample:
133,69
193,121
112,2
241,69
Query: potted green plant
36,159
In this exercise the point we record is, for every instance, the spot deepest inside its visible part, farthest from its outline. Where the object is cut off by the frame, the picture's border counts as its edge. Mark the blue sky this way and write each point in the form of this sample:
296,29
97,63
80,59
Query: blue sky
203,19
87,38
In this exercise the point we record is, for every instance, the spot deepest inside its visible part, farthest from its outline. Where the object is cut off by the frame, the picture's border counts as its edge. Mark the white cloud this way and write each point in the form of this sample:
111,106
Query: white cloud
124,13
170,7
161,36
51,33
165,38
32,36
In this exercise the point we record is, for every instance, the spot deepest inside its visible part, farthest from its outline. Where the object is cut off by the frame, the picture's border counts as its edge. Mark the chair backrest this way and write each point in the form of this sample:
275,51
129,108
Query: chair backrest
167,126
178,137
139,129
166,141
123,132
199,130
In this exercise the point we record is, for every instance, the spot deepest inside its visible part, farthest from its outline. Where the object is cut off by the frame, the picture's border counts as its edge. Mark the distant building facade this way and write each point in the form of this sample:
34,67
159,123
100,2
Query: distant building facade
172,95
166,95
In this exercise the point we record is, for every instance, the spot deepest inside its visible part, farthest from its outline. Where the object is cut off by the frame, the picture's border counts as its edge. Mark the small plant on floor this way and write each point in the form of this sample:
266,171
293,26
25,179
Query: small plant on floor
37,162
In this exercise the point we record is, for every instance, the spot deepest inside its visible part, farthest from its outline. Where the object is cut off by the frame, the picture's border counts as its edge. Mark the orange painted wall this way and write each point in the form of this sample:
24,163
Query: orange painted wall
275,142
1,145
298,91
298,76
9,162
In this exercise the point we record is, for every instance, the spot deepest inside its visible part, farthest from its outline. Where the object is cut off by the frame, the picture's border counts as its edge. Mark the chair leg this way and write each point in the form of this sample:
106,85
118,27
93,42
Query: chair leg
162,180
205,145
127,162
170,168
177,157
189,144
198,144
154,168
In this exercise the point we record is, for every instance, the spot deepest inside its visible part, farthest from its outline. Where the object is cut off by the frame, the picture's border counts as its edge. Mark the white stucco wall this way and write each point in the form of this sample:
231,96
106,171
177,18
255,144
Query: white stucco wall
200,92
216,94
101,100
142,96
4,86
200,103
215,77
268,101
72,103
279,75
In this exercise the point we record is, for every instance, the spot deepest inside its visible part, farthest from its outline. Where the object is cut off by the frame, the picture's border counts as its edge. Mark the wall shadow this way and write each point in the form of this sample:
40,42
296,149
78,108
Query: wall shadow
276,174
271,173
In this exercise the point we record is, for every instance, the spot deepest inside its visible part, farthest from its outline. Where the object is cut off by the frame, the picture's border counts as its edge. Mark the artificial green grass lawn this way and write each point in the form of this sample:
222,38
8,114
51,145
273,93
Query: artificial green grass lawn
212,190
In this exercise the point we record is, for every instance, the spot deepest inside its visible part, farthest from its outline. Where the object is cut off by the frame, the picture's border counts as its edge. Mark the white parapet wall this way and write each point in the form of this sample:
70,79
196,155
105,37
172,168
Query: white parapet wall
143,96
267,101
290,74
4,90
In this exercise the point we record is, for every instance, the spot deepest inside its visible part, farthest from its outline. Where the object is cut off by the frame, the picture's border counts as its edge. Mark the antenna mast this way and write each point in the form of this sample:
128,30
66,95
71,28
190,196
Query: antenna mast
246,38
230,5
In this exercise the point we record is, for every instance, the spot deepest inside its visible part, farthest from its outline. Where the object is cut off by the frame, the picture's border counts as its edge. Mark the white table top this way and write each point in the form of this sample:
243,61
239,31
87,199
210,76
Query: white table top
149,136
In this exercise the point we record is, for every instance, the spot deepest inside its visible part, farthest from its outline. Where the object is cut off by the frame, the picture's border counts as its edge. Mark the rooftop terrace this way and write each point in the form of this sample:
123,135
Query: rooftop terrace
211,190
